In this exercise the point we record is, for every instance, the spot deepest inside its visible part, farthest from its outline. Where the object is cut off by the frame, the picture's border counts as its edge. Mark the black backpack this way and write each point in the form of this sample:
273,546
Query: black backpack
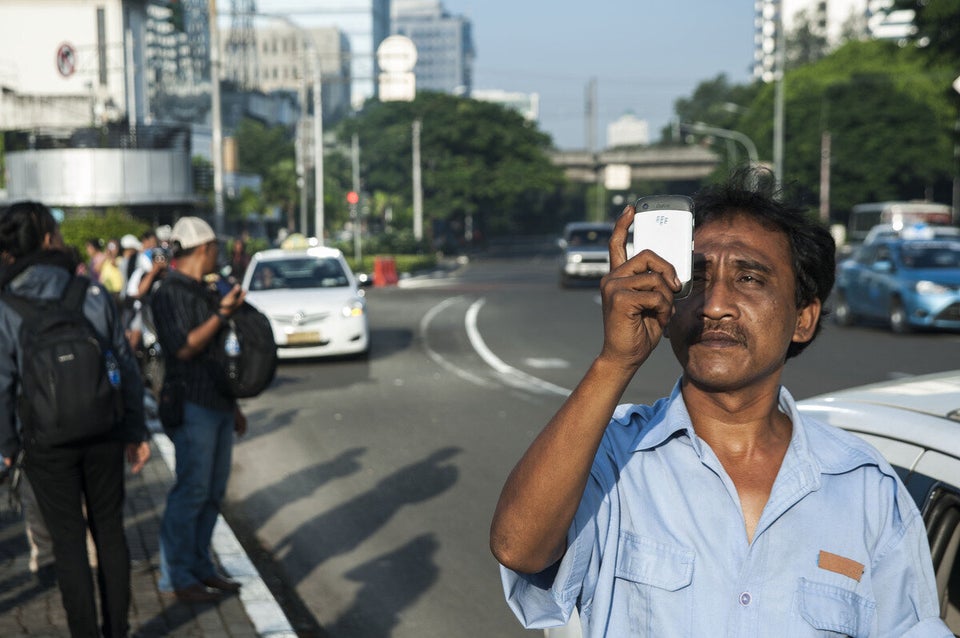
248,372
253,363
66,393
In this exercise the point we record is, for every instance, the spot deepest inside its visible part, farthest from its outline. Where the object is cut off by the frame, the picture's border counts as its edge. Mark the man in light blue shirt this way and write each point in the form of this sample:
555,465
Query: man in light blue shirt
718,511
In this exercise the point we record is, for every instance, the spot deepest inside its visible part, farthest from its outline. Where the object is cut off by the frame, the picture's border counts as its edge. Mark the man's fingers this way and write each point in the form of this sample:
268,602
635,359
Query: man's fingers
618,240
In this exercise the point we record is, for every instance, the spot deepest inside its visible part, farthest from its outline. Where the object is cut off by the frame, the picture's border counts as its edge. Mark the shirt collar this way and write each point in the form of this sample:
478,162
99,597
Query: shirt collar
669,417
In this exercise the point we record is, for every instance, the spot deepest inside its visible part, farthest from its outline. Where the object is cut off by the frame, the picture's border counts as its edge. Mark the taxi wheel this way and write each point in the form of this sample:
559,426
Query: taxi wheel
898,317
842,314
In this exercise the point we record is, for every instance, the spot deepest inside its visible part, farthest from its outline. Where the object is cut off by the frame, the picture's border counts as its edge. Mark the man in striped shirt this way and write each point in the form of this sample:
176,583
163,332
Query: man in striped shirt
188,316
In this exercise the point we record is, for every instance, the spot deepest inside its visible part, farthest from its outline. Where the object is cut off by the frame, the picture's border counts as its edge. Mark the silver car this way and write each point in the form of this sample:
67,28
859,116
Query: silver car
584,251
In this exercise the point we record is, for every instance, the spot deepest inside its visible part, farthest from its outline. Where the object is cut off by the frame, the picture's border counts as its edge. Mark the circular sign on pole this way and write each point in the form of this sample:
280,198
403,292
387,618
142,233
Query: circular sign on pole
352,197
397,54
66,60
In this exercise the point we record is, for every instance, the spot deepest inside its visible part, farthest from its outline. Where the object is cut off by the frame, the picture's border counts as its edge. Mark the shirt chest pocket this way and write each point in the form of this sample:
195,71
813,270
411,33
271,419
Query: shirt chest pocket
653,582
834,611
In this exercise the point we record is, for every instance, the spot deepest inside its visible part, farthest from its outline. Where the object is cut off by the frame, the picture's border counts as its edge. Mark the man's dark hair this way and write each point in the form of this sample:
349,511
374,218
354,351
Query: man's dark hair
752,192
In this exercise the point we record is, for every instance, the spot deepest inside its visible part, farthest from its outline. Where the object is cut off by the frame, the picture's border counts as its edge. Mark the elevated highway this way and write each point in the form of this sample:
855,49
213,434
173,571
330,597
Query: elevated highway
669,164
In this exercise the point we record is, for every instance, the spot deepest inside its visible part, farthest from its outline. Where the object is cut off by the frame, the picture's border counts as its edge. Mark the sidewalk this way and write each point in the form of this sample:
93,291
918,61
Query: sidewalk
30,604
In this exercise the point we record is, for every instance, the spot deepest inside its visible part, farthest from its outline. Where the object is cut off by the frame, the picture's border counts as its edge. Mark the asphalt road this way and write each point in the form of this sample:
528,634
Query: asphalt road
364,488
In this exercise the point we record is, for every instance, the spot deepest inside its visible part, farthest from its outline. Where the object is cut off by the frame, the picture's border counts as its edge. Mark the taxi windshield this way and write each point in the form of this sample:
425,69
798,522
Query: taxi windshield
299,272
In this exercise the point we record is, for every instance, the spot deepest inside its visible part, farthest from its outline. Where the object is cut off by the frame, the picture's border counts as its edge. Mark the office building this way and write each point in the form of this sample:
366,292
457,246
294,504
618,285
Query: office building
364,23
526,104
444,42
283,57
628,130
833,20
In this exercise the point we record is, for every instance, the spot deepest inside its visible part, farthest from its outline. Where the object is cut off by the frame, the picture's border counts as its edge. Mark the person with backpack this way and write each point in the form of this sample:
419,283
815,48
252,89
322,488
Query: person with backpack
71,400
198,415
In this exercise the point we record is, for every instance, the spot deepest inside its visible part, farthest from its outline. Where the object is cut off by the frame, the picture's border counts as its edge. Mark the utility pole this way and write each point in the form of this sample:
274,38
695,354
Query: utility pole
778,99
216,136
354,206
317,141
825,177
417,183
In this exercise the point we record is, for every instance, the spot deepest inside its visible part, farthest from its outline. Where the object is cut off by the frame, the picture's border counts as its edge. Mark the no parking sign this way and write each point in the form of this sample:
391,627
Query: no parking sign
66,60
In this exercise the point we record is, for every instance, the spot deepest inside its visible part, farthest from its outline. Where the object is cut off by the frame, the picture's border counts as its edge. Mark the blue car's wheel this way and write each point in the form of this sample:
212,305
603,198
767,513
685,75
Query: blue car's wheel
842,314
898,317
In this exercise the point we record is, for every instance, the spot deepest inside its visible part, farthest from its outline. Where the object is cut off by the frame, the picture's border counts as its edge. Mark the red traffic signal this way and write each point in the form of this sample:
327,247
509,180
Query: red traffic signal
352,197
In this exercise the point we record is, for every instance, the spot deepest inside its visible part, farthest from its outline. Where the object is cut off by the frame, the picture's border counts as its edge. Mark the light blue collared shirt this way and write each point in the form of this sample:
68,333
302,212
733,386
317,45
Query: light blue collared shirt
658,546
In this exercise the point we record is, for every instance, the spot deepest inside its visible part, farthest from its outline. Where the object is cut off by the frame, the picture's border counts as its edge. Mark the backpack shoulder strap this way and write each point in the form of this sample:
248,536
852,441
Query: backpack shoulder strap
26,308
76,292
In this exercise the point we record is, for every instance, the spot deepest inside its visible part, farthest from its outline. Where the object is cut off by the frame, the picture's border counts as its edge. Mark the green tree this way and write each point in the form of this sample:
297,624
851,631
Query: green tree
888,118
479,160
260,147
938,29
719,104
280,189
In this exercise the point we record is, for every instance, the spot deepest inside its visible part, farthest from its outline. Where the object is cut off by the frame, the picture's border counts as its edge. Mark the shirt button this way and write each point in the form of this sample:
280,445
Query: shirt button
745,598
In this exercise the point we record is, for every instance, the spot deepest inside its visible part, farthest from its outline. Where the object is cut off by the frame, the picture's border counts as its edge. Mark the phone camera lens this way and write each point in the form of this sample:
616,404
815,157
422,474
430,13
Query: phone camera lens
645,206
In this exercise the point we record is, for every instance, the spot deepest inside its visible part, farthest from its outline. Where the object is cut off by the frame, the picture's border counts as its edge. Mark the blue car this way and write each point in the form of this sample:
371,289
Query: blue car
910,284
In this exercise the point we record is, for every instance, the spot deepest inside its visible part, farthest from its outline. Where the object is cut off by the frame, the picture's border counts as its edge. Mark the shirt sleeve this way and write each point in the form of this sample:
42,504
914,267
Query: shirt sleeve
547,599
9,437
131,385
904,584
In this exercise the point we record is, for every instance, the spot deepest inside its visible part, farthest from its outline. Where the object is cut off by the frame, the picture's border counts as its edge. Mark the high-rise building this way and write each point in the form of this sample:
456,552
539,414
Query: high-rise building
365,23
833,20
526,104
282,54
444,44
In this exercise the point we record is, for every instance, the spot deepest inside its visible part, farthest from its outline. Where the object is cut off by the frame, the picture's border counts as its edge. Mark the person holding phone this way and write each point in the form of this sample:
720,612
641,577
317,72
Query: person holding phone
718,510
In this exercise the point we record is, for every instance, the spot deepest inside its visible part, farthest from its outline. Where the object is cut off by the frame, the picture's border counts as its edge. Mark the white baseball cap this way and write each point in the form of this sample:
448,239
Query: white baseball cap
191,232
130,241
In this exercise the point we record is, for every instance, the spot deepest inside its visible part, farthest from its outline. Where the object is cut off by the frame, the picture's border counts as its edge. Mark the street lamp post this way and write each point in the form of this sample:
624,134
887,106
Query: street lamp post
703,129
309,40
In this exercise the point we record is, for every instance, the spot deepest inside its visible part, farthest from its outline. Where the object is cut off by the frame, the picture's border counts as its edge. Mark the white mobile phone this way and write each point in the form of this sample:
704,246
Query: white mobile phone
664,224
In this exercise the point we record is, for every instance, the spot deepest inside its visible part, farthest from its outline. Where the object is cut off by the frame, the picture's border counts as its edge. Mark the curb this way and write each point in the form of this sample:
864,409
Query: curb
261,607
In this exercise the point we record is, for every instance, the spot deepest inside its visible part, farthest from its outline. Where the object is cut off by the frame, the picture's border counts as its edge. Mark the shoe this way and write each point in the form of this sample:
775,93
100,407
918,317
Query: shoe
223,584
196,594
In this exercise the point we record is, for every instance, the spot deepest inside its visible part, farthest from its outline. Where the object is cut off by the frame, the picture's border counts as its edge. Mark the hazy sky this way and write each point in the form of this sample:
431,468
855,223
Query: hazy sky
644,54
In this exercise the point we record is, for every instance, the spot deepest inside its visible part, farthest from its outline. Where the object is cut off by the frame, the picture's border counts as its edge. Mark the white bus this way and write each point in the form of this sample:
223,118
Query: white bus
898,215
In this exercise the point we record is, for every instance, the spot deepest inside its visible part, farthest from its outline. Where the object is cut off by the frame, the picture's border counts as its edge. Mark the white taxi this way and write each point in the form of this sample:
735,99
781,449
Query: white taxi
313,300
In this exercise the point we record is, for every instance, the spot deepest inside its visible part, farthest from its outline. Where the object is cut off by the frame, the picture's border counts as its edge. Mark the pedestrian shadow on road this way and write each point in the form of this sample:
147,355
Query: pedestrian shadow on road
346,526
413,565
257,508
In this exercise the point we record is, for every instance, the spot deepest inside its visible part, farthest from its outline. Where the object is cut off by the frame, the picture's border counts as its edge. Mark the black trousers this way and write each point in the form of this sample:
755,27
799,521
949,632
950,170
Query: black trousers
62,478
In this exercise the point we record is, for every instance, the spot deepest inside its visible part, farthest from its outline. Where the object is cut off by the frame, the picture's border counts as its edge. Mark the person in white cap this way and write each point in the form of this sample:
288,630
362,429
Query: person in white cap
188,316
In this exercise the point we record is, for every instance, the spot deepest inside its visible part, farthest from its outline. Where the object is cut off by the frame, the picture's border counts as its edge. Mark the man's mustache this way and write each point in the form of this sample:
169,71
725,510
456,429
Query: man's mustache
714,330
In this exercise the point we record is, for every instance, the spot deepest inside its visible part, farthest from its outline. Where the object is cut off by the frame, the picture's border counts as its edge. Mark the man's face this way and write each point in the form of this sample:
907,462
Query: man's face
741,316
212,249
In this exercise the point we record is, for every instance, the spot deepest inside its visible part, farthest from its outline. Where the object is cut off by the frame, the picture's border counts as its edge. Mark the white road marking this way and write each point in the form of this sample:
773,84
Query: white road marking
440,359
508,374
546,364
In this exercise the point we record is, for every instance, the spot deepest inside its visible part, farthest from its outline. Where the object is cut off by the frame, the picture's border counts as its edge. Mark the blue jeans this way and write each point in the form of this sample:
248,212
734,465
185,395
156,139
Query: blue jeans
203,445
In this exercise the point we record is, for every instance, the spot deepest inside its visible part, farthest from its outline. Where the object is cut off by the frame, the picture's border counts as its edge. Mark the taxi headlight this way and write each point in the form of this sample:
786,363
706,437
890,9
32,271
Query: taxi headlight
353,309
926,287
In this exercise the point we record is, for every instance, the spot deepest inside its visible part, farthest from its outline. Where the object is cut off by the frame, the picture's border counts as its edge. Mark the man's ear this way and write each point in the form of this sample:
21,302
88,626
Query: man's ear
807,318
